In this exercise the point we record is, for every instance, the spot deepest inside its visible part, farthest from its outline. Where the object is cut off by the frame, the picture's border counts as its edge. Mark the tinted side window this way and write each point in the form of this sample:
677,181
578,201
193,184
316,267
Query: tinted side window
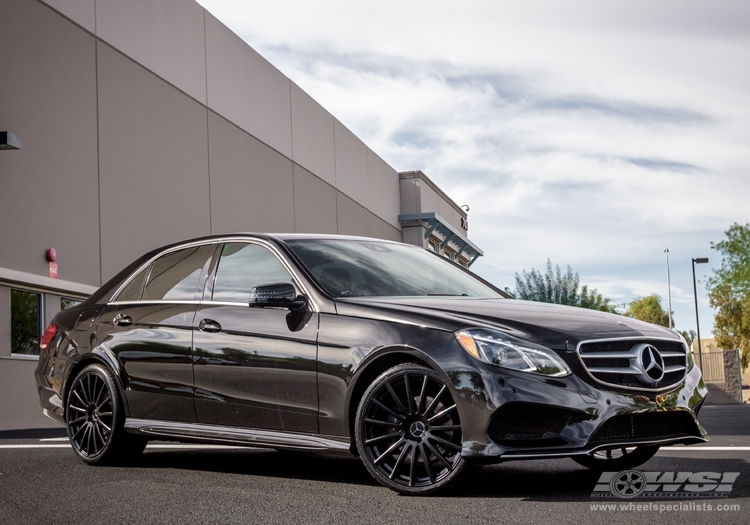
132,292
174,277
243,266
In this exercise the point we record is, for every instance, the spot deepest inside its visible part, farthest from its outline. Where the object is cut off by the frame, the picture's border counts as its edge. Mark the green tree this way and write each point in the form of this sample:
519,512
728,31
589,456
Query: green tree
557,287
689,336
649,309
729,291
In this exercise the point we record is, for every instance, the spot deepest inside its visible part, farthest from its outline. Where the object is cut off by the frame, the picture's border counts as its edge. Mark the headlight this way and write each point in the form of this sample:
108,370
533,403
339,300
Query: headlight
504,350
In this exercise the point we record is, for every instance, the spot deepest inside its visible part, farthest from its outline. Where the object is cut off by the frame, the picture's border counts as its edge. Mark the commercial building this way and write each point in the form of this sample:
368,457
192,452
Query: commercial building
134,123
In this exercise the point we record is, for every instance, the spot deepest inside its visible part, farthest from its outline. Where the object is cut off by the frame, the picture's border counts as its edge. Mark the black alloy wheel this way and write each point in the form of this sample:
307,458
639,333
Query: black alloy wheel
95,419
618,458
408,431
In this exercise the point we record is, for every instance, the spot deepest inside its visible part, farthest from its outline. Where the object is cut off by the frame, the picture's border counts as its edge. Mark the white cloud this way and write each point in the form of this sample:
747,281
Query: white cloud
593,133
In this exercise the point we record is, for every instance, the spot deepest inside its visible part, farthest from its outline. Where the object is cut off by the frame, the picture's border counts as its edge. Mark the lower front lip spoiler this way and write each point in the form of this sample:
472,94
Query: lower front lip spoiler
546,454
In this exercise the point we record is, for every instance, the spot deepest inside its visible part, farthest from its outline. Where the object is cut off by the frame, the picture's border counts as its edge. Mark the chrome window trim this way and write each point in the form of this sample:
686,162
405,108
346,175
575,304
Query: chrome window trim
633,338
222,240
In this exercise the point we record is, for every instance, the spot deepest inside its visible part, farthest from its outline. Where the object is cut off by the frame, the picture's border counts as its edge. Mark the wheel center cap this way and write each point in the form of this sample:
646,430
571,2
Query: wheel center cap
417,429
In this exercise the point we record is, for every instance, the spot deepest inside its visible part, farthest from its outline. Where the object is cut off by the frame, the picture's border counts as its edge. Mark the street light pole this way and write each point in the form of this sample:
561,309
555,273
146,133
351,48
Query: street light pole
701,260
669,289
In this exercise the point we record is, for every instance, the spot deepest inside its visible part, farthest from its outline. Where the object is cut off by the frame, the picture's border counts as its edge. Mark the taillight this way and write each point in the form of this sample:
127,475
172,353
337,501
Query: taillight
49,333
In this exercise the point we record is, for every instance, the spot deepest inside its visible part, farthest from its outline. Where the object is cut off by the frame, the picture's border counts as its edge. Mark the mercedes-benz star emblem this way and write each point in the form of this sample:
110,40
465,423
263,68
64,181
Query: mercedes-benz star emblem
417,429
652,363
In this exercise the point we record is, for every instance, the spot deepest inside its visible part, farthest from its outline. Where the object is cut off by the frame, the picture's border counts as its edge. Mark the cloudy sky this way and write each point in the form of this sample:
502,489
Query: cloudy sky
595,134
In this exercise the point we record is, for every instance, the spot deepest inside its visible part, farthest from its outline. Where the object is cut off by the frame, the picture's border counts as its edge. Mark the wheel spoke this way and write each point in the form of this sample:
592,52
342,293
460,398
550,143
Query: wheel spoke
108,398
438,455
79,398
442,413
98,433
388,410
422,394
371,421
105,426
76,420
77,409
445,428
101,391
427,466
89,393
396,399
75,435
390,450
104,414
434,401
397,465
409,395
382,438
412,467
444,442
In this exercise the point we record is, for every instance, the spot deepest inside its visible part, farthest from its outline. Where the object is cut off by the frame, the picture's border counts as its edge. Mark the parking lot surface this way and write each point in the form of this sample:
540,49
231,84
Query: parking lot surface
41,481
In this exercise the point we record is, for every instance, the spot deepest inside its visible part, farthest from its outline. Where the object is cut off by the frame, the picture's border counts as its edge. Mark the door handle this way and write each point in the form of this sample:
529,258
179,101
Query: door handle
209,325
122,320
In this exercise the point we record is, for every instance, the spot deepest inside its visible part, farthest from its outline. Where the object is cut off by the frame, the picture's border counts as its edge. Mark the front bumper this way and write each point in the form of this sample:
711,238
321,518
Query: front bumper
510,415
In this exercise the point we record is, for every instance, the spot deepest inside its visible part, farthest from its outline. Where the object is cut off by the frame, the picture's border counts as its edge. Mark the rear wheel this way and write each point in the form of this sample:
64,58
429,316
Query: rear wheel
618,458
95,420
408,431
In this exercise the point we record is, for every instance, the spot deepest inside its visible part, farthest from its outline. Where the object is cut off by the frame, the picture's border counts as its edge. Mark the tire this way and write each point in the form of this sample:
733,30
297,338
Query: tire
408,431
617,459
95,420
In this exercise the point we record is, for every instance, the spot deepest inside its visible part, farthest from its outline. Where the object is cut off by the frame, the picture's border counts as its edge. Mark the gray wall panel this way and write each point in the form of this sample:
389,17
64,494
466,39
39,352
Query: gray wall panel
246,89
382,230
166,36
16,383
314,203
351,164
82,12
383,189
49,187
153,162
353,218
312,136
251,184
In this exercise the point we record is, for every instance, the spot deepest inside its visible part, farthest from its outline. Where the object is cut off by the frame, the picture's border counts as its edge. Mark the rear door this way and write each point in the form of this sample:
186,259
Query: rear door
148,328
253,367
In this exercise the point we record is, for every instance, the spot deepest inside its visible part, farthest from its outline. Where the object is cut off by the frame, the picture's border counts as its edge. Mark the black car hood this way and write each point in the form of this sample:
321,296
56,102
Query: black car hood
552,325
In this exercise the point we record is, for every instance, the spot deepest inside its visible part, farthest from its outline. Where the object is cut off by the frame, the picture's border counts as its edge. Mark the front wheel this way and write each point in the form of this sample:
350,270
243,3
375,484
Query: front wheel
618,458
408,431
95,418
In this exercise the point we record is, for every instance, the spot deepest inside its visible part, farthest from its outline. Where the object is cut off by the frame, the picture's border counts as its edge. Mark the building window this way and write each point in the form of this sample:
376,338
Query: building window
449,254
25,321
433,245
68,302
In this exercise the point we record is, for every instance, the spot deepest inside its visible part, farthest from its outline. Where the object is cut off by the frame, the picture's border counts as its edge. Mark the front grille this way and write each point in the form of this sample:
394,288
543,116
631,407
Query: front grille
646,426
525,424
620,362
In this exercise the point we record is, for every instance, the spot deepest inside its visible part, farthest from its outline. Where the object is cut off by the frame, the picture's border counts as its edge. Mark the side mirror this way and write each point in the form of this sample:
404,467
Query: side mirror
279,295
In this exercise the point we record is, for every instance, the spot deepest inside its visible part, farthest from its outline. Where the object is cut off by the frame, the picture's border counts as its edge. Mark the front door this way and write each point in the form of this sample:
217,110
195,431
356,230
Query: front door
253,367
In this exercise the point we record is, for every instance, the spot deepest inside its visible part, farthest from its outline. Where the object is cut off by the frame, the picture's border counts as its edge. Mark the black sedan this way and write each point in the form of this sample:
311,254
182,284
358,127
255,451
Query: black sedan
317,342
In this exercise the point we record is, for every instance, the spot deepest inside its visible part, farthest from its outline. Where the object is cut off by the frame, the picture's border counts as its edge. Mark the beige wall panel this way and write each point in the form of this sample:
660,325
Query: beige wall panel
166,36
383,230
153,162
430,201
251,184
351,164
410,202
312,136
353,219
17,384
246,89
446,211
48,189
82,12
314,203
414,235
383,185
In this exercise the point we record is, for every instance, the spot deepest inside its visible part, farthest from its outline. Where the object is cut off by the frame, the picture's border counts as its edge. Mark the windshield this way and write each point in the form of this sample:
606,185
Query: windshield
350,268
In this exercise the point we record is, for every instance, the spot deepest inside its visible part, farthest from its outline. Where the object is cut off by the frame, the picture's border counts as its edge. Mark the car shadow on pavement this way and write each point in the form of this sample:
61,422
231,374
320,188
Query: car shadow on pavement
539,480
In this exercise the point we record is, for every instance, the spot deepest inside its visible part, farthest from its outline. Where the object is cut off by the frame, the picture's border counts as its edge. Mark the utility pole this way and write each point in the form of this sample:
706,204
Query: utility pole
669,289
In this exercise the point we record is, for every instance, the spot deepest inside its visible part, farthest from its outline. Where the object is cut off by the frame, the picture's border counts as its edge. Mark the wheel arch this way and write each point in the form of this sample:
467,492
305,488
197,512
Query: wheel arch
374,365
101,357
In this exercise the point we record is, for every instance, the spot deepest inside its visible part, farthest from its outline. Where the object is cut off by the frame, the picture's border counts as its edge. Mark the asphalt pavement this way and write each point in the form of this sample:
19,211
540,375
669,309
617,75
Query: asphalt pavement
41,481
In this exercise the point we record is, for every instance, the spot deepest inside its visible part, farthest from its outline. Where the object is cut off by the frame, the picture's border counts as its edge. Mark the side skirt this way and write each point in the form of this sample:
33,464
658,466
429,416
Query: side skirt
197,432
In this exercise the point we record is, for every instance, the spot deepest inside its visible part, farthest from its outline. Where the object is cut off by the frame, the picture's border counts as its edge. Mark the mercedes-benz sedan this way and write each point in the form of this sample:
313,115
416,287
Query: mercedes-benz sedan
396,354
